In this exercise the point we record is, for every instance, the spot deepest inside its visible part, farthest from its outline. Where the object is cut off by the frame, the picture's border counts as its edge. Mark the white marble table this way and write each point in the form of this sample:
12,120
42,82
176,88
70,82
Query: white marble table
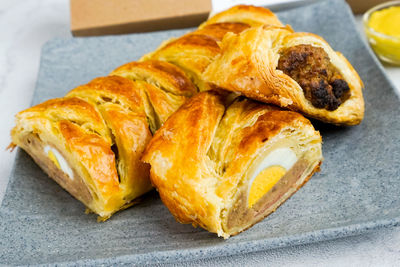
26,25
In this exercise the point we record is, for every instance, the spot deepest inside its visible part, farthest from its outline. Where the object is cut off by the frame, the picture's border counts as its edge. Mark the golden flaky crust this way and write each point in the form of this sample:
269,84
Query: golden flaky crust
250,15
239,49
248,64
161,74
101,130
200,156
194,51
166,86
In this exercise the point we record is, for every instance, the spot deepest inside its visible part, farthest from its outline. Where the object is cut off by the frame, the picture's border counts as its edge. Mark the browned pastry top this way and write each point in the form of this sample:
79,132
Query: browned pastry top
168,76
311,68
200,156
218,30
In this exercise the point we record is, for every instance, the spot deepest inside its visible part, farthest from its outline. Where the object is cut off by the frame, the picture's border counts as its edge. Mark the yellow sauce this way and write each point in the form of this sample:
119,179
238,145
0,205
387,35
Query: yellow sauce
264,182
387,22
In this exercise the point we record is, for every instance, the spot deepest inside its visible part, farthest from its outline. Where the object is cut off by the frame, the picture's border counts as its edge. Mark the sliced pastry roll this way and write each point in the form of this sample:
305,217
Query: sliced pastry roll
194,51
246,49
226,165
91,140
298,71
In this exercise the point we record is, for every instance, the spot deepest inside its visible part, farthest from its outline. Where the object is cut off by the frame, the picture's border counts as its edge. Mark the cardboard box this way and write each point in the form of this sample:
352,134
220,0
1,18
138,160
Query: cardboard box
360,6
102,17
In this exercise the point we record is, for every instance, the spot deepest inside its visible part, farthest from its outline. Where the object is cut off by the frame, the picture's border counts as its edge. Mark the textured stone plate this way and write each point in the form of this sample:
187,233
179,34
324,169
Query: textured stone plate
357,189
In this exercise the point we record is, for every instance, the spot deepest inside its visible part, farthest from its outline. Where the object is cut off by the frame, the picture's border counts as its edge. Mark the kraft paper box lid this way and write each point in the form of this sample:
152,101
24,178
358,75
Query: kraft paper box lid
360,6
101,17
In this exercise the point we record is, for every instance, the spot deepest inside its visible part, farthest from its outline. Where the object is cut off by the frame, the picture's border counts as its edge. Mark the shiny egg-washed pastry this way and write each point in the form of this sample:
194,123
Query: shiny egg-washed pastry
91,140
102,168
246,49
225,165
194,51
246,14
298,71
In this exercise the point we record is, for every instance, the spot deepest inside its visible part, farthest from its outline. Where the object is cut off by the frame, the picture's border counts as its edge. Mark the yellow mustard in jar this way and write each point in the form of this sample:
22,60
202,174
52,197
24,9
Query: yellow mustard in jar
386,21
383,32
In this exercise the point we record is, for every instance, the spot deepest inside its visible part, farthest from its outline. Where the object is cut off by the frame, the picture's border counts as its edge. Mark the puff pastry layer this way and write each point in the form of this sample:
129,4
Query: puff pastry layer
240,50
91,140
248,63
194,51
226,165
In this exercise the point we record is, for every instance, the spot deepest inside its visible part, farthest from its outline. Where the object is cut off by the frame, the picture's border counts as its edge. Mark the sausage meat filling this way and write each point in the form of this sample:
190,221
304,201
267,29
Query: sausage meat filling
311,68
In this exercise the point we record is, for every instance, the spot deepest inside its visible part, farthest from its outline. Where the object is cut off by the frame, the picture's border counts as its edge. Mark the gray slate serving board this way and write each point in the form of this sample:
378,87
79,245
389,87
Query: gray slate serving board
356,191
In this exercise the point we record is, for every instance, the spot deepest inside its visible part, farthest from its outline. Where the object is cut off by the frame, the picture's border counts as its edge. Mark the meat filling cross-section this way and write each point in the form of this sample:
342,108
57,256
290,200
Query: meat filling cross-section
311,68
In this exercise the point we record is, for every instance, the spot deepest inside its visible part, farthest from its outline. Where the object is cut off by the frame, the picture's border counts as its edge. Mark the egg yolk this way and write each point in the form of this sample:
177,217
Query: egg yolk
53,158
264,181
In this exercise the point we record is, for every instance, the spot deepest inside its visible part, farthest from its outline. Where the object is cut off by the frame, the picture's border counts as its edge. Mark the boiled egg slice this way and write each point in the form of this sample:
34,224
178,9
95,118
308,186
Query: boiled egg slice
272,168
59,160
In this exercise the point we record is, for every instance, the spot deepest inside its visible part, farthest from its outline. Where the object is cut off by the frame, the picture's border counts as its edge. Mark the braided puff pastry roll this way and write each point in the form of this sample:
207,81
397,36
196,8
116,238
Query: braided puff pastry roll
298,71
226,165
91,140
246,49
194,51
